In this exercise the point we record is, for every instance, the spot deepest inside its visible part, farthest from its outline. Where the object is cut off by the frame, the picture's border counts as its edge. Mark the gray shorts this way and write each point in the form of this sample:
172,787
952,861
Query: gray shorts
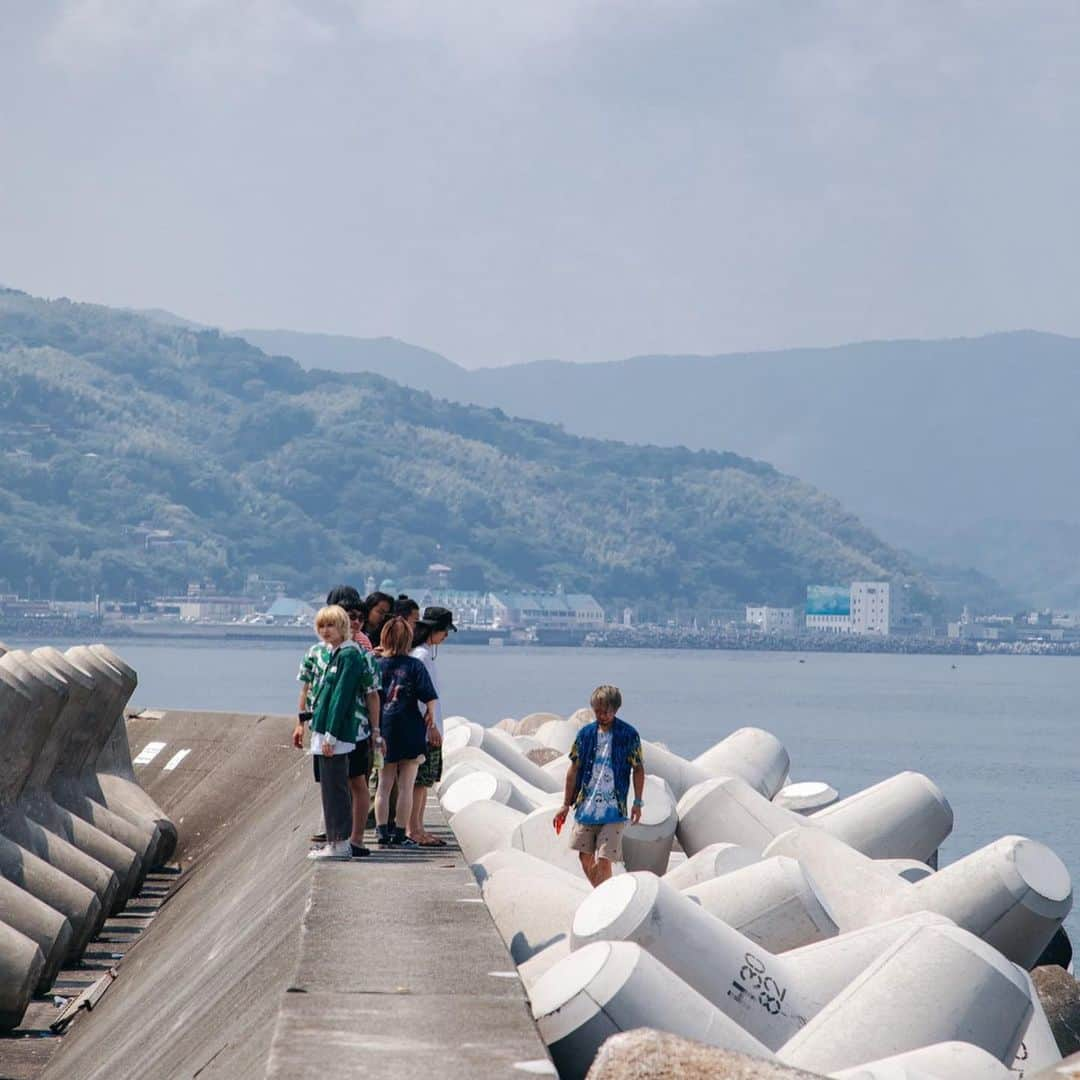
603,841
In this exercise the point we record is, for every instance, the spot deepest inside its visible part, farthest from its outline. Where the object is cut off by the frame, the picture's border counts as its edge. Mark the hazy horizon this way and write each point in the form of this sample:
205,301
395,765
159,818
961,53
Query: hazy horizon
581,181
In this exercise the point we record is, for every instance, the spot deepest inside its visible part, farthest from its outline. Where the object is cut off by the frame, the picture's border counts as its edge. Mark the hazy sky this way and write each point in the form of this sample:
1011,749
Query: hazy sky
506,180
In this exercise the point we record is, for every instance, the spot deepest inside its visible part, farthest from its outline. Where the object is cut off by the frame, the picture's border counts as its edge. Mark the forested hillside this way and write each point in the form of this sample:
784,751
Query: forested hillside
139,456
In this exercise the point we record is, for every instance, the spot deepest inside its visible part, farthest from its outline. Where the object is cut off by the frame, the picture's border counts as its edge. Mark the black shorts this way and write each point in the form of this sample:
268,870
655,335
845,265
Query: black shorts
359,761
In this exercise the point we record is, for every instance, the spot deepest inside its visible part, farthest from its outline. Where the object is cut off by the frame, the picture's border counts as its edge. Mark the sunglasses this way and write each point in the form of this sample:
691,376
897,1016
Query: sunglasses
356,616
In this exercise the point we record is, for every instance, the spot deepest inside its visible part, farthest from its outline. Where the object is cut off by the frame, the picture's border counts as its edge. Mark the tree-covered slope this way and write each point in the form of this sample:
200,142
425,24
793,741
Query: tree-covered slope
139,456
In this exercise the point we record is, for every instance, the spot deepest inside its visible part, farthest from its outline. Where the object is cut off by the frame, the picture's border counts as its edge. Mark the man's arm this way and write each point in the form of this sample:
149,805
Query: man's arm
301,709
374,704
568,795
639,789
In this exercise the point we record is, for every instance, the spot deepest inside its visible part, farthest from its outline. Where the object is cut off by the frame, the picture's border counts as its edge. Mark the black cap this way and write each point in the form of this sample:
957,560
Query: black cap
345,596
439,618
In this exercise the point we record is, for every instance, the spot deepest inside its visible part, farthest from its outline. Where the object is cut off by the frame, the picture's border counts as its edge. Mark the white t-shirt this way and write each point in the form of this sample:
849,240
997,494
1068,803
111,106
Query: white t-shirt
318,739
427,655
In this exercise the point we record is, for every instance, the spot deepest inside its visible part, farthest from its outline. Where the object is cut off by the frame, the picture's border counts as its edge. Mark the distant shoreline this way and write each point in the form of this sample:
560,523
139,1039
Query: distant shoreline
641,637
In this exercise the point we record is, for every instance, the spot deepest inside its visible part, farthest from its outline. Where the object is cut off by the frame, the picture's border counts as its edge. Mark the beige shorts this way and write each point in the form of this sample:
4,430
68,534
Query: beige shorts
605,841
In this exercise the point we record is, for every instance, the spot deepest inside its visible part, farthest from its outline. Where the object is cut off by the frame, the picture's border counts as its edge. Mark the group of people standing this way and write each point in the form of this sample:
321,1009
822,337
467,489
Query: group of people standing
369,694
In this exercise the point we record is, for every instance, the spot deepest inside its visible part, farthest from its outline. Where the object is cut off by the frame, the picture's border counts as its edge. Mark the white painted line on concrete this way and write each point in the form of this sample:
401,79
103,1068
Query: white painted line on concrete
539,1067
175,760
471,900
149,752
503,974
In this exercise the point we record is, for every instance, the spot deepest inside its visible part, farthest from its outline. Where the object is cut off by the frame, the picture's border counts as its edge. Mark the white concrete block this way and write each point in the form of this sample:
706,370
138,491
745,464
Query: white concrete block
609,987
770,901
902,817
942,1061
484,826
938,984
753,755
558,734
771,996
1014,893
806,796
712,861
647,845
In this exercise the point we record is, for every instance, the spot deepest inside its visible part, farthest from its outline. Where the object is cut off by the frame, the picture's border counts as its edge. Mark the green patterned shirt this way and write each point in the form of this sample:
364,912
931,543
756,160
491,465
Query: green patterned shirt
312,670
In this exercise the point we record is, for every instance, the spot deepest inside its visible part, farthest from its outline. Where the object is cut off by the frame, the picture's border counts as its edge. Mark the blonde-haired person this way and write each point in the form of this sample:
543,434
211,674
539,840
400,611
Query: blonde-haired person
408,725
335,728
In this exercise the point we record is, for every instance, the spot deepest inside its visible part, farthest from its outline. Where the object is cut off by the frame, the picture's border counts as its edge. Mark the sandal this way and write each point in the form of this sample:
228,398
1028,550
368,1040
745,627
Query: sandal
430,840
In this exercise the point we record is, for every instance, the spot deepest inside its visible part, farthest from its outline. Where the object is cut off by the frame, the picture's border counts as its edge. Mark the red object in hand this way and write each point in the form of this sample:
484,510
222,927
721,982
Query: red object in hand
560,821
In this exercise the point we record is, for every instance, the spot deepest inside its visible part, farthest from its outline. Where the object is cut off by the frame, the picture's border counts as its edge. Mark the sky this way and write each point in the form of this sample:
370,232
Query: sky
510,180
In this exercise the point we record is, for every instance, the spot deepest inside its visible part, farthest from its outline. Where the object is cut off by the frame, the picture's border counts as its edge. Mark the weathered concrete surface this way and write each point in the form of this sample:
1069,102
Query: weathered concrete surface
1059,993
644,1054
389,970
401,973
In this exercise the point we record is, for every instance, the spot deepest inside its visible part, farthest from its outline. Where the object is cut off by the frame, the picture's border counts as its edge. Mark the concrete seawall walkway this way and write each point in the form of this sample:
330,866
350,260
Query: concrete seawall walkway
263,963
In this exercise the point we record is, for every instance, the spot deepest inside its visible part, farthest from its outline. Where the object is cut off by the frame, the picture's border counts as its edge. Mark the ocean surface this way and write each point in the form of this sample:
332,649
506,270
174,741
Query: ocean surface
998,734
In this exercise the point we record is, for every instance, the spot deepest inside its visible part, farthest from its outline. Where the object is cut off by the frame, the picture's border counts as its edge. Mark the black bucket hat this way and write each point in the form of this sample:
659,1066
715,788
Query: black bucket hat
438,618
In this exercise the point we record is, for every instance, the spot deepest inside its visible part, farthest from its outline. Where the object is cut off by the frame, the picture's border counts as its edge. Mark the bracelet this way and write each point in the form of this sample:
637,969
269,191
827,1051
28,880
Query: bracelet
638,802
303,717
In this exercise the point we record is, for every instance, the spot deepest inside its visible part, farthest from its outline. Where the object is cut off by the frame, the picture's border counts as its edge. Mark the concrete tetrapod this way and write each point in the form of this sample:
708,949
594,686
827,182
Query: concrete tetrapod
62,768
679,774
532,907
36,802
905,816
78,911
109,776
938,984
647,845
473,759
21,965
531,724
942,1061
558,734
770,901
51,695
772,997
501,747
806,797
474,786
56,778
484,826
754,755
1014,893
608,987
710,862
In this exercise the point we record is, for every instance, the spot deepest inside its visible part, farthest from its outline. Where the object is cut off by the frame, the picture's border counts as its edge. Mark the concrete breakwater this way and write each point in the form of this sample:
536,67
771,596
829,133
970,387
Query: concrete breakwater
760,917
78,835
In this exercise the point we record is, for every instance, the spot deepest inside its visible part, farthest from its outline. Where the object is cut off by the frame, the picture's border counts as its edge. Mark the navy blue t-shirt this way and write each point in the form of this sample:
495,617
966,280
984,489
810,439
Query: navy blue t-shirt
405,684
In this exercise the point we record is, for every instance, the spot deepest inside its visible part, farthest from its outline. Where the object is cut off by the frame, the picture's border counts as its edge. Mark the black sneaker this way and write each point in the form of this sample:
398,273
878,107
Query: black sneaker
359,851
385,836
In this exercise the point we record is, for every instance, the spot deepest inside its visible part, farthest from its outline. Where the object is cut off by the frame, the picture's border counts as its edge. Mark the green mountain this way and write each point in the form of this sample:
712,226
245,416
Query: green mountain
138,456
961,450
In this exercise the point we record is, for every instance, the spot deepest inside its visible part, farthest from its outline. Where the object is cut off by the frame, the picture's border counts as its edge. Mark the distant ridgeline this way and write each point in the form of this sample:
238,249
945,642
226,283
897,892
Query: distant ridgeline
139,456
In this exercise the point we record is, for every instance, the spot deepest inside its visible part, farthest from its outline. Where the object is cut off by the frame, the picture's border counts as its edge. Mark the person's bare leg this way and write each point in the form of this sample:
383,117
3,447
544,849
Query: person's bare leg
601,871
361,804
405,779
387,776
588,864
416,818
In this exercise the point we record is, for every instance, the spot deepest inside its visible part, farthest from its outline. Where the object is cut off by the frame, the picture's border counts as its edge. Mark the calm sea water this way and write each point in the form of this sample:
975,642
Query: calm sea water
998,734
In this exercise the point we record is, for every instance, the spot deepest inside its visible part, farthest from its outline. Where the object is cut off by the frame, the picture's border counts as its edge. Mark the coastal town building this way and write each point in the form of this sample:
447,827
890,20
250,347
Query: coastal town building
864,607
870,607
771,620
546,611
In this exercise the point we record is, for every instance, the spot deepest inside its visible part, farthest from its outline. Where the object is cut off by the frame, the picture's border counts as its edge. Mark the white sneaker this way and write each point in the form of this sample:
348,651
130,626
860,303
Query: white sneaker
340,849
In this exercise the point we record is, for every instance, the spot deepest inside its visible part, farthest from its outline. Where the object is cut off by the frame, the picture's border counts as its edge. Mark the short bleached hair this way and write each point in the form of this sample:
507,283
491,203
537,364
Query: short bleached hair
607,695
333,616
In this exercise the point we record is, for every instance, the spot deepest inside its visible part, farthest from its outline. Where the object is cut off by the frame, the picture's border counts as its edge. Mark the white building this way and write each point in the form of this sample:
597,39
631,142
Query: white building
547,611
772,620
871,608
